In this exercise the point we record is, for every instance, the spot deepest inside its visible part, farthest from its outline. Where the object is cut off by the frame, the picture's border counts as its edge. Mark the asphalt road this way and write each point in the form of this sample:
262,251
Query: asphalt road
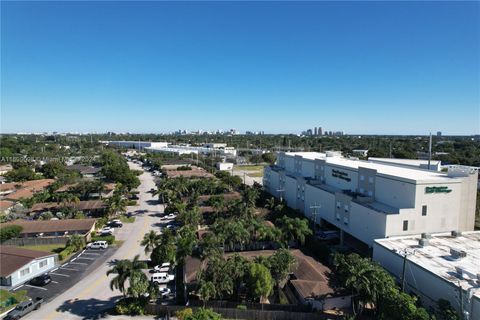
91,297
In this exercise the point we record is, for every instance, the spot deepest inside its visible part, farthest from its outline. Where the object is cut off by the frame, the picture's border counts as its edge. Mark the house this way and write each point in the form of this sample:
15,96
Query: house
54,228
18,265
23,190
6,206
5,168
89,172
311,282
88,207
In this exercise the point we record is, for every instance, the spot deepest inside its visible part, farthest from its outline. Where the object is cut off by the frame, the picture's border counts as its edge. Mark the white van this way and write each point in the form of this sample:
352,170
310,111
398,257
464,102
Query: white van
97,245
162,277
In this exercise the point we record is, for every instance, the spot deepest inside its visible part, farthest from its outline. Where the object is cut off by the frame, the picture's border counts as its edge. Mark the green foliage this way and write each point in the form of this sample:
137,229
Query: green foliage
131,306
115,168
260,281
10,299
65,253
10,232
446,311
294,229
241,307
183,314
280,264
184,168
269,157
131,271
166,250
207,290
150,241
21,174
203,314
76,242
109,238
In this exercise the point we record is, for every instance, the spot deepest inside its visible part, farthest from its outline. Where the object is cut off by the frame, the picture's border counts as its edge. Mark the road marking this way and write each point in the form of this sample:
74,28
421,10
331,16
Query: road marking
74,259
82,263
93,253
18,287
54,270
60,274
70,269
27,285
85,258
66,264
54,281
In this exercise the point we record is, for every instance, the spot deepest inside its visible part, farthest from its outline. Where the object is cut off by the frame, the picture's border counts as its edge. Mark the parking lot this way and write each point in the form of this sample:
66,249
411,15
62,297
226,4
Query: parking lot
68,274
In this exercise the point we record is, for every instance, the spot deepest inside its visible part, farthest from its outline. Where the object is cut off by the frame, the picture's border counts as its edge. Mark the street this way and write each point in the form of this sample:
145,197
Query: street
91,297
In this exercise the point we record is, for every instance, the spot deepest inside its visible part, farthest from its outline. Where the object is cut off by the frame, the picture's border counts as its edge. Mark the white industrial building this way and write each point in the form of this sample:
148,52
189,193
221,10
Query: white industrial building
441,266
434,165
136,144
371,200
180,149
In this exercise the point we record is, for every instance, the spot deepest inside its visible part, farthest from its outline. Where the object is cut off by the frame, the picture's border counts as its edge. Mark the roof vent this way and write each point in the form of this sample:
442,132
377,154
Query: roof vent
426,235
457,254
424,242
456,233
478,278
459,272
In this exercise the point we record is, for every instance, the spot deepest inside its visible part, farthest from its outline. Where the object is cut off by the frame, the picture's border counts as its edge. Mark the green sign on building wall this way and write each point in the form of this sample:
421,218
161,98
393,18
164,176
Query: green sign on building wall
437,190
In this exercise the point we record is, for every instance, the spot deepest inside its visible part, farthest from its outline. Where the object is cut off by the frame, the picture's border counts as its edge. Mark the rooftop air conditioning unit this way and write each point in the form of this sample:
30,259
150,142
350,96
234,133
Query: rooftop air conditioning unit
456,233
423,242
459,271
457,254
426,235
478,278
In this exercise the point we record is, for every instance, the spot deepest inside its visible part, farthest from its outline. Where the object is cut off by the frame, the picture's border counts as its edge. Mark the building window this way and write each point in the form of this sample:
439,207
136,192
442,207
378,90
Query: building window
424,210
362,177
338,204
362,190
24,272
346,208
370,179
337,216
405,225
43,263
345,220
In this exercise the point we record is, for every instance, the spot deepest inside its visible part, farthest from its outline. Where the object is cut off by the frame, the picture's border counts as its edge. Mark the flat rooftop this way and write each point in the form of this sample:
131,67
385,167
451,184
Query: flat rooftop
437,258
391,170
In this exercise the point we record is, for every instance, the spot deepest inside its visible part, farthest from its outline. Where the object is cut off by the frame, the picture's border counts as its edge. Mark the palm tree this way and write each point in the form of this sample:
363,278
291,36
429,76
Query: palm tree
75,241
270,203
150,241
127,270
294,229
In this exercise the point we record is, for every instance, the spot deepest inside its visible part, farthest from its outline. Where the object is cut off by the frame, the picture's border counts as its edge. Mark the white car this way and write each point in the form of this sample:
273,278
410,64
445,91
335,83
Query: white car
170,216
97,245
106,231
158,278
160,269
164,292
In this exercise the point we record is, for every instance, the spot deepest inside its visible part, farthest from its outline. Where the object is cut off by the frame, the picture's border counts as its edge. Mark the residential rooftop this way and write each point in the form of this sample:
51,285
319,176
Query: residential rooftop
49,226
437,256
13,258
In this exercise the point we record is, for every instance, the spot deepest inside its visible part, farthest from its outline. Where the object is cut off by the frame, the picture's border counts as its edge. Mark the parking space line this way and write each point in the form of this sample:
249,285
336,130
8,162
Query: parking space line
85,258
27,285
54,281
82,263
69,269
93,253
54,270
18,287
60,274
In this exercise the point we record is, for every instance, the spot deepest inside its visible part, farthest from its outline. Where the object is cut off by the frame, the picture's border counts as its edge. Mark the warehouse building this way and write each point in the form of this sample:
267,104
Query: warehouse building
371,200
136,144
440,266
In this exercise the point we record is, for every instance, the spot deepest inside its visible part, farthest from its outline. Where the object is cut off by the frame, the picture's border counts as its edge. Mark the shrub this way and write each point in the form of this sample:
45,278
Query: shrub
184,168
9,232
183,314
131,203
131,306
110,238
62,255
242,307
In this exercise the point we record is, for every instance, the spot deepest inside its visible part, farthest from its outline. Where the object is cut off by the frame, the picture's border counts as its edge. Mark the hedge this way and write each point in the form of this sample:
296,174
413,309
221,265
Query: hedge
110,238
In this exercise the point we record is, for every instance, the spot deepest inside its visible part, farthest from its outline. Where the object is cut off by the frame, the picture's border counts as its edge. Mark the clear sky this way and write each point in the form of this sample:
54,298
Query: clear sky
360,67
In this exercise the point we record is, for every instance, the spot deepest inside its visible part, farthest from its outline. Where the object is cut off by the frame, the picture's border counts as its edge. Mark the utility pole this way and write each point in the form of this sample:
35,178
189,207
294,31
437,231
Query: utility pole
280,191
405,258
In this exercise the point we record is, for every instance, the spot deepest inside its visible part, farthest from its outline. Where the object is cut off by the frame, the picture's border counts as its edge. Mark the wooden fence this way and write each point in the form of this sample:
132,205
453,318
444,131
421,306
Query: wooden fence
35,241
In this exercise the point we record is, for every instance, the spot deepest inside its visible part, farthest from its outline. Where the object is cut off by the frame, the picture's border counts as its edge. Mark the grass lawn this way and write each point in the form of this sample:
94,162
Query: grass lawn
249,168
126,219
54,248
255,174
10,299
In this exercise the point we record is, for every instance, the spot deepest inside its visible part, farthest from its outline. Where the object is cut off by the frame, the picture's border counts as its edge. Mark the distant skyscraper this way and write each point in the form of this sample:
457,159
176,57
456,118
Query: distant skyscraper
439,133
315,130
320,131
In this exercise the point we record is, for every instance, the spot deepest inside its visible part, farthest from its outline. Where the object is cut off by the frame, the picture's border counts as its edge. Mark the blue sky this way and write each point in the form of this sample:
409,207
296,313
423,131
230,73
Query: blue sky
360,67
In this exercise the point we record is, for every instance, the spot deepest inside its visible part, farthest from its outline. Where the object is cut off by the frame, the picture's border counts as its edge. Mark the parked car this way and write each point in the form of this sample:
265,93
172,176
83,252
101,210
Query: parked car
115,223
106,231
158,278
164,292
97,245
41,280
161,269
24,308
328,235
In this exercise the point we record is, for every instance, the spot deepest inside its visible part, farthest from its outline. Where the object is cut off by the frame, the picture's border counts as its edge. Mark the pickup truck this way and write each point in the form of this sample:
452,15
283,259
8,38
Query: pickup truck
23,308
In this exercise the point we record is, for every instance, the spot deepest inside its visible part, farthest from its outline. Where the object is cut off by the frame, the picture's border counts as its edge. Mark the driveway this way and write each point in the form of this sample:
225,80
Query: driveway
91,297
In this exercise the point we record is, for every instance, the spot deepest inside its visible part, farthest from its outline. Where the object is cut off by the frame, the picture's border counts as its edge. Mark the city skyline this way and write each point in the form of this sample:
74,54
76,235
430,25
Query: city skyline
365,68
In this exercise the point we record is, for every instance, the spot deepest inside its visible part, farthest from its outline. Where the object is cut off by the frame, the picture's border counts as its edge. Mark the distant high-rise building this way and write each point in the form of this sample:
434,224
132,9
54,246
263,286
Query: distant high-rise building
309,132
320,131
439,133
315,131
